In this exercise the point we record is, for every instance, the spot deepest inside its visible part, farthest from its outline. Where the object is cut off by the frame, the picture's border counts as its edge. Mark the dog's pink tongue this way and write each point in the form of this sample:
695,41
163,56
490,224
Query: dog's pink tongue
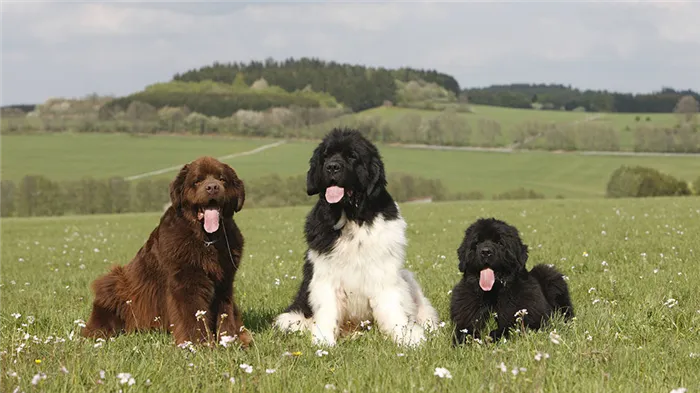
334,194
486,279
211,220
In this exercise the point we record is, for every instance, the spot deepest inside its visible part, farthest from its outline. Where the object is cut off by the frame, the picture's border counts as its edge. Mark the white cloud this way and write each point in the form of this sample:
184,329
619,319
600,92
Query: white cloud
78,48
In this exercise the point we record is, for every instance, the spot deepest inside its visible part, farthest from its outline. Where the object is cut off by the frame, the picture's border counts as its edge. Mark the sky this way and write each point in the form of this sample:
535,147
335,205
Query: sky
72,49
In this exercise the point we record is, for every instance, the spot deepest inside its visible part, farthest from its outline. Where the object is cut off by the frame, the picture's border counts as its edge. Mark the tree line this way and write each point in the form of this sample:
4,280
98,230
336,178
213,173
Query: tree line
560,97
355,86
219,99
36,195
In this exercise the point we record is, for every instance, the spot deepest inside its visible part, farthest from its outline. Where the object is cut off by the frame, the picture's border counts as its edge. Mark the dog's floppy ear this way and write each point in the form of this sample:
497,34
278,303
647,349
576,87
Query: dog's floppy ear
240,198
313,176
523,254
462,256
377,177
238,186
177,188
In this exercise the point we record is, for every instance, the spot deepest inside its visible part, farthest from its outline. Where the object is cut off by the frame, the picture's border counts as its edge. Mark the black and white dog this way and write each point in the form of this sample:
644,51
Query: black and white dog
355,234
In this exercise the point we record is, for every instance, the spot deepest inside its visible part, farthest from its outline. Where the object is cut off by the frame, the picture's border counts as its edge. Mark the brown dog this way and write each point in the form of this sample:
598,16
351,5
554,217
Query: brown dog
186,267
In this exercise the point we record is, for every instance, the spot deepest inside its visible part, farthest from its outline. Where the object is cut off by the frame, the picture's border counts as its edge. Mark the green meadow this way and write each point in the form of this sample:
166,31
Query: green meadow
631,266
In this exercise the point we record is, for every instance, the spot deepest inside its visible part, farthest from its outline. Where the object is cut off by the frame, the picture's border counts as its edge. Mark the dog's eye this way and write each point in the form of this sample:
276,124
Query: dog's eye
222,178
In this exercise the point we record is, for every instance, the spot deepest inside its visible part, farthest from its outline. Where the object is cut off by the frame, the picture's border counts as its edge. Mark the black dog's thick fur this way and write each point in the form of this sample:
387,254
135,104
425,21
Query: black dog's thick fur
497,245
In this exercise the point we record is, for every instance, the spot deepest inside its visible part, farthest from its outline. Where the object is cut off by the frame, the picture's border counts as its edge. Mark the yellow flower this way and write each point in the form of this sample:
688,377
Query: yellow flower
297,353
37,361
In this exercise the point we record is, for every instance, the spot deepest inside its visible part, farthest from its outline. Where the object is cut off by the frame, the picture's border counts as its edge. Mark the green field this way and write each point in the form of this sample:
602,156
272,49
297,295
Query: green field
632,268
511,118
72,156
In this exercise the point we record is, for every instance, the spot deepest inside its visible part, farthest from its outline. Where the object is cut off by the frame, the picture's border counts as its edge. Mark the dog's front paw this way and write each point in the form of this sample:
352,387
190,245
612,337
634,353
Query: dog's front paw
411,335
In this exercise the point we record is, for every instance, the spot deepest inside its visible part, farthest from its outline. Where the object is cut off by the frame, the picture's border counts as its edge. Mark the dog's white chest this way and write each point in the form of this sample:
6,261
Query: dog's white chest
365,259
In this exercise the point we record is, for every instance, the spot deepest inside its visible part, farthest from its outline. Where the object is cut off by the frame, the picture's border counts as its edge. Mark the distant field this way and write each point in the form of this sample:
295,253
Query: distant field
71,156
510,118
631,267
570,175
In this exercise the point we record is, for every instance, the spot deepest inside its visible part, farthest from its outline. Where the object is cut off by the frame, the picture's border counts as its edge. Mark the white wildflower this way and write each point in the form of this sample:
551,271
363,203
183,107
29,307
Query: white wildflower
38,377
442,372
200,314
502,367
125,378
539,356
247,368
270,370
321,352
554,337
225,340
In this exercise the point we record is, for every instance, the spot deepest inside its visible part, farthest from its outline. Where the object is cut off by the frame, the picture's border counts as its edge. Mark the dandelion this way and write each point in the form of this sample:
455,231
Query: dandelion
585,254
200,314
37,361
321,352
442,372
270,370
247,368
554,337
226,340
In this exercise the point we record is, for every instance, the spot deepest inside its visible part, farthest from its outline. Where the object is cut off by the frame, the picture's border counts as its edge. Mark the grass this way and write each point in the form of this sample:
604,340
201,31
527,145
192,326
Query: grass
70,156
629,336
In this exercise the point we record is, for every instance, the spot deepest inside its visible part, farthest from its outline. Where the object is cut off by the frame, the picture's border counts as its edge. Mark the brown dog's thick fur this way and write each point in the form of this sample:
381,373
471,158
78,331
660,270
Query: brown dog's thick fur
181,269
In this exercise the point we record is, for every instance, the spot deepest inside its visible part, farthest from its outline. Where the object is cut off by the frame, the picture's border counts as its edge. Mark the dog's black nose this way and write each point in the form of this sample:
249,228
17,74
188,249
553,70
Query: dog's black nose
486,252
333,167
212,188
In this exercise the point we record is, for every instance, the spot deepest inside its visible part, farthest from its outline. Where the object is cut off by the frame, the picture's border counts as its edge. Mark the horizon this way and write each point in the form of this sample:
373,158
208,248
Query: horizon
69,50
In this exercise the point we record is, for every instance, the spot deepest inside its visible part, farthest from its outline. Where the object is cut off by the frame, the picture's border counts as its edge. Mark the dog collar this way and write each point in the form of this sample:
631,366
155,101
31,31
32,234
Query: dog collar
208,243
341,221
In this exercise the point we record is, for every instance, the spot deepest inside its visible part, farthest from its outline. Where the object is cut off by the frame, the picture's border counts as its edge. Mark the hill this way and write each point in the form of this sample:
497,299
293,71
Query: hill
355,86
557,96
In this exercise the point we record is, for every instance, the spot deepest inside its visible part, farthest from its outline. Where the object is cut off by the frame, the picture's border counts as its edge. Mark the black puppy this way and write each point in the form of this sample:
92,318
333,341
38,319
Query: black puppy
492,257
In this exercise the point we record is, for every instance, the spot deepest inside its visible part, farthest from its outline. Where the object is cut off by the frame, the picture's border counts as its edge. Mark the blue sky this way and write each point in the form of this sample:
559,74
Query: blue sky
60,49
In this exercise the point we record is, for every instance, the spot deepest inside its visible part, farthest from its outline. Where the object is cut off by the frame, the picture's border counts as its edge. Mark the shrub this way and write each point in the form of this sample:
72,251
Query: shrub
8,192
639,181
519,193
696,186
